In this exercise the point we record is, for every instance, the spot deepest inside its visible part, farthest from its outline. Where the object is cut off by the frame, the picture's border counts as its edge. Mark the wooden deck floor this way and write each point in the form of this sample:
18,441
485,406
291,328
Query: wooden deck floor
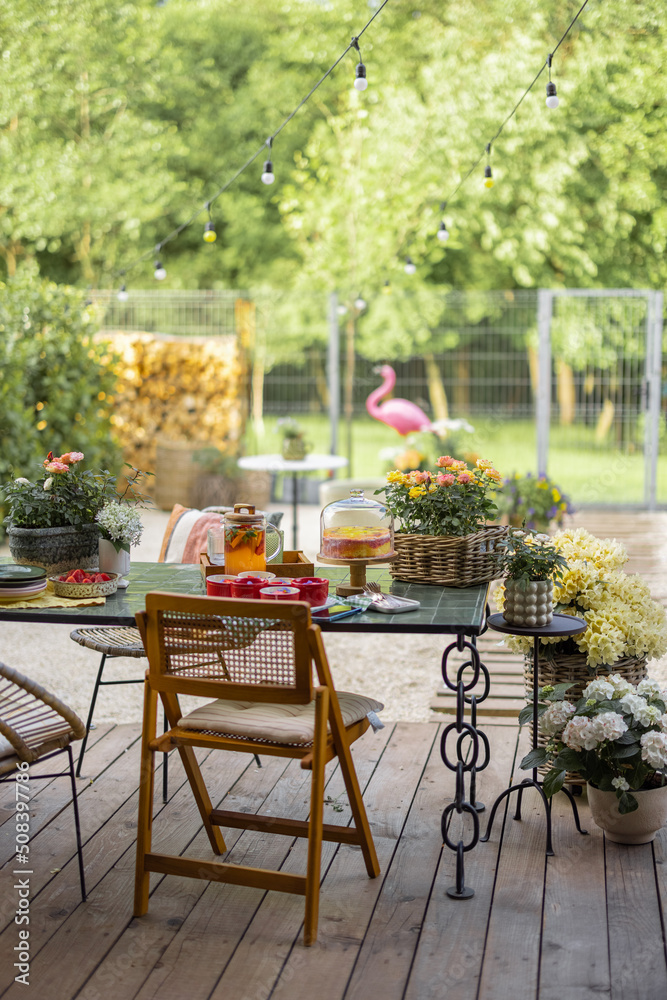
584,924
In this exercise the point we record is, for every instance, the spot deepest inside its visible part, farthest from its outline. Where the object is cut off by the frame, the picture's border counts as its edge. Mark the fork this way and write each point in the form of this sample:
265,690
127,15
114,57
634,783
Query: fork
377,594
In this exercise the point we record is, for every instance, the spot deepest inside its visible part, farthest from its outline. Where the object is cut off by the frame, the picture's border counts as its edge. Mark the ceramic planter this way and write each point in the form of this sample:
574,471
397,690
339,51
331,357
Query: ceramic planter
294,449
528,605
114,562
55,549
638,827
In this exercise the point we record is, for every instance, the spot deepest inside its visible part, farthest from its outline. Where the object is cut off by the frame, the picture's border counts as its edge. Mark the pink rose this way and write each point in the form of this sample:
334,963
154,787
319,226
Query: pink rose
445,461
421,477
444,480
464,477
71,457
56,466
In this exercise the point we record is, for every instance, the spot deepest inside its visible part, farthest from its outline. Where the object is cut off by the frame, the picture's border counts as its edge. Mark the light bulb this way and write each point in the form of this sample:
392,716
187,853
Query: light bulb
341,310
410,266
443,235
359,303
488,177
210,235
552,97
159,274
386,288
267,175
360,82
122,295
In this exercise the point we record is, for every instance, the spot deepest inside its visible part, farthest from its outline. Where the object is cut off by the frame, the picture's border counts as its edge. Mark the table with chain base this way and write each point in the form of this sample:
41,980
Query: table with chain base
559,627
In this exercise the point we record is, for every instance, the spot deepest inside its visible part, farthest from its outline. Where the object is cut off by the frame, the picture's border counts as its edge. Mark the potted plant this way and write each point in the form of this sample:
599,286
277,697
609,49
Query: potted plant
294,445
533,502
51,522
530,563
615,737
120,527
443,535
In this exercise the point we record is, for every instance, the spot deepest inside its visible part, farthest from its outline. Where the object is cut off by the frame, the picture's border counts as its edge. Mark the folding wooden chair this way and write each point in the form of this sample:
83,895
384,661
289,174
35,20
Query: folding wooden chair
256,658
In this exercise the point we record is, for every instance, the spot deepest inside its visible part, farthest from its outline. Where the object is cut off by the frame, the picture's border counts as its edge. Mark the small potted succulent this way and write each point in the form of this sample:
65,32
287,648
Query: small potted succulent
530,563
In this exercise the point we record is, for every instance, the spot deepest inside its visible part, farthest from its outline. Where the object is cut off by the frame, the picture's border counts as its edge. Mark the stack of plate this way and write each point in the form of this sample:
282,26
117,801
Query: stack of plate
21,583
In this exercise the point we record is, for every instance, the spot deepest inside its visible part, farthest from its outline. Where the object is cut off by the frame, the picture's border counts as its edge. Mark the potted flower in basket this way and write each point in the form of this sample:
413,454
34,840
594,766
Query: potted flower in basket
615,737
533,502
443,534
51,522
530,564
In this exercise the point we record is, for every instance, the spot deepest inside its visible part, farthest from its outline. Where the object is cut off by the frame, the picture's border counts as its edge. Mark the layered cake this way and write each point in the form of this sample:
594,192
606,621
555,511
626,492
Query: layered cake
355,542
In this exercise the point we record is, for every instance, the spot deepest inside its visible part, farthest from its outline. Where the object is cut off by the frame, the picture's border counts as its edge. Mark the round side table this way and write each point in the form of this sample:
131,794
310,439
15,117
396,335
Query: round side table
560,626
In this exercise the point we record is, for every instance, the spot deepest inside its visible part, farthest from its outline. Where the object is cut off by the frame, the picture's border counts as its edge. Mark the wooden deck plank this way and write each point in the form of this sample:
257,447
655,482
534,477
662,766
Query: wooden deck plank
575,949
636,941
348,898
511,958
451,943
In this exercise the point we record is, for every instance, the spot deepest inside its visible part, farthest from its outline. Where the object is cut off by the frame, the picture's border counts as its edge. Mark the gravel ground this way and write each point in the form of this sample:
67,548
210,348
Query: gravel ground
404,673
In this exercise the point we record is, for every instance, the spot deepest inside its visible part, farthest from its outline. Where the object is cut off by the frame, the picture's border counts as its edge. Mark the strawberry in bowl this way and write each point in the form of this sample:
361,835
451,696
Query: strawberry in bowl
83,583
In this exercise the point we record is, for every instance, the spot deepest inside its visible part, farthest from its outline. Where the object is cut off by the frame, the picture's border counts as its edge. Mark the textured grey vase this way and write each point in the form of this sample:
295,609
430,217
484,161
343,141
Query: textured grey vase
55,549
529,605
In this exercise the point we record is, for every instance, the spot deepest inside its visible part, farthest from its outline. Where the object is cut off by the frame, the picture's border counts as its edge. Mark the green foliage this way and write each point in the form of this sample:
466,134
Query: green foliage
56,381
63,495
526,556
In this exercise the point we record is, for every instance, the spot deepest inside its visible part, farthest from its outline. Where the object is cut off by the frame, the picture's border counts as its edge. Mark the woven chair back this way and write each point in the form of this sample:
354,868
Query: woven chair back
250,650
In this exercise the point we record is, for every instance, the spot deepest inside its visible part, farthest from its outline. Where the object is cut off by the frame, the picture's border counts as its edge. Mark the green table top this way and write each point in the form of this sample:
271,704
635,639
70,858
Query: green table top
443,609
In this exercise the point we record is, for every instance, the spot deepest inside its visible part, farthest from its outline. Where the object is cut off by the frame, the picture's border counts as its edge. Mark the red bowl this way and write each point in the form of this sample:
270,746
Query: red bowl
248,586
219,585
280,594
314,589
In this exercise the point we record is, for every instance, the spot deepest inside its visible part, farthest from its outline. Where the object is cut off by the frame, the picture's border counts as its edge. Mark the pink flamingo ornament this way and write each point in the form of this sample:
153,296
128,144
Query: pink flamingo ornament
400,414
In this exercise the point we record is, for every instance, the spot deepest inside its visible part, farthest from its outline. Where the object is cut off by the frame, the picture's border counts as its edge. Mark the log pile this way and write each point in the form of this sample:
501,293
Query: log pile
186,391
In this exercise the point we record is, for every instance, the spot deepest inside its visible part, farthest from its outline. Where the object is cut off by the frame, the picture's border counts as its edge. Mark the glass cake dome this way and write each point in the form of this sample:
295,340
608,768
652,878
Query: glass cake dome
356,528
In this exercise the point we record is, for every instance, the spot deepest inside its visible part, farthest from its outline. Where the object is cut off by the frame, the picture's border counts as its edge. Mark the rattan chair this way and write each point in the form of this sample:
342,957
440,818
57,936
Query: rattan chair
35,725
256,659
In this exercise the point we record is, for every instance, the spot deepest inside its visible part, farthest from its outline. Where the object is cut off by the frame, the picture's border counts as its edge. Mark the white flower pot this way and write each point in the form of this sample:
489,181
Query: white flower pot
114,562
529,605
638,827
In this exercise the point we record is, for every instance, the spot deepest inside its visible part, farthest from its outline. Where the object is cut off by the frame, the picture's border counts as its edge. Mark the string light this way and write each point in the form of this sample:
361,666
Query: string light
267,174
410,266
359,303
159,272
552,96
386,288
360,81
210,235
443,235
488,176
122,294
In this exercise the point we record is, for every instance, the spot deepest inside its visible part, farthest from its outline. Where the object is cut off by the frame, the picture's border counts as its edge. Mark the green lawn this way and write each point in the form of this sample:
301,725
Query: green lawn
585,471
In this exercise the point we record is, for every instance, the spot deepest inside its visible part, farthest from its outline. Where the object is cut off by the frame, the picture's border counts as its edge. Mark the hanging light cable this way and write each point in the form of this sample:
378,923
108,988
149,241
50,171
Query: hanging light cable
360,81
552,96
159,272
488,176
443,235
267,174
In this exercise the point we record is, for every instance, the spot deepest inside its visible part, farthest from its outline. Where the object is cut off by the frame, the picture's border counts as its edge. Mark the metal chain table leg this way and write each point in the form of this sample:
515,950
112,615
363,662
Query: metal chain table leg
468,742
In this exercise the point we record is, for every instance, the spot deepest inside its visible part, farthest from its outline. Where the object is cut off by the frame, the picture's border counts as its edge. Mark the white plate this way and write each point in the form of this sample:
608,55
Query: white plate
28,590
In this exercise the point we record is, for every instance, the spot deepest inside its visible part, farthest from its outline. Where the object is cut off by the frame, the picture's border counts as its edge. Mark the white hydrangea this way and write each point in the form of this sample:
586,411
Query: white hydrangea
620,783
608,726
599,689
642,713
654,749
555,717
579,735
621,685
649,688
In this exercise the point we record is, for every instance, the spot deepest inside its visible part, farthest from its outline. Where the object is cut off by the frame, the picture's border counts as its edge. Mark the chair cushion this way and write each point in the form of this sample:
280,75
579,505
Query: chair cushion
273,722
187,529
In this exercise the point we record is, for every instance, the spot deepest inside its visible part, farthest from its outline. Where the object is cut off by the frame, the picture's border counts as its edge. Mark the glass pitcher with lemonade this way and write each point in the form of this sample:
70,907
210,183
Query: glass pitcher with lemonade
245,533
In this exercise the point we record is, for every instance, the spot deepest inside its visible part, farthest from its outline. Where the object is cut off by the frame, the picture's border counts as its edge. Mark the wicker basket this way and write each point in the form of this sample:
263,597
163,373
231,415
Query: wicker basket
559,668
447,560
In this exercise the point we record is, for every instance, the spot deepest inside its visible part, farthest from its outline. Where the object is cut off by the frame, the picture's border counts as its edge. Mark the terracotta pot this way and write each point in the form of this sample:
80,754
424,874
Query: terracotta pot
528,604
55,549
638,827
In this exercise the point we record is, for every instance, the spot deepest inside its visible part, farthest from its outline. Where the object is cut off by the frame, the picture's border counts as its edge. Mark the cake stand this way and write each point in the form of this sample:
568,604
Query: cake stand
357,582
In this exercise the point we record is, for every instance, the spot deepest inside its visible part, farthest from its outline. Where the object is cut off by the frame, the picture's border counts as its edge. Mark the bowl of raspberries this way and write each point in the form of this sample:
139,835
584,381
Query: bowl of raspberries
84,583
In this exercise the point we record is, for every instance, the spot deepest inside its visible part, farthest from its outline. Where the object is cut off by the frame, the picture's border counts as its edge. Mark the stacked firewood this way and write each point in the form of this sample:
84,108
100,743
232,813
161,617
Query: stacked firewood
177,390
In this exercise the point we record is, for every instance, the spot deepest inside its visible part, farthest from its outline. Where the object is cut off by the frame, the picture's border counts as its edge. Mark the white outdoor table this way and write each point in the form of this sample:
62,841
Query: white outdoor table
276,463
